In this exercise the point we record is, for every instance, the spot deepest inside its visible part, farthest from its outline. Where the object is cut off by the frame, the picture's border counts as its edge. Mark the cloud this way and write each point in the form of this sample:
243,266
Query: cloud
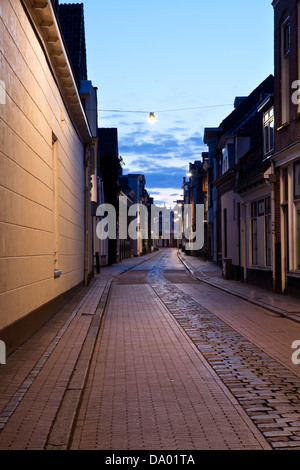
161,145
163,178
166,196
162,155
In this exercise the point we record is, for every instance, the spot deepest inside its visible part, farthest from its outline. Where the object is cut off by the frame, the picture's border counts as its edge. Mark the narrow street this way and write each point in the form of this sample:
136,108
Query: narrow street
150,358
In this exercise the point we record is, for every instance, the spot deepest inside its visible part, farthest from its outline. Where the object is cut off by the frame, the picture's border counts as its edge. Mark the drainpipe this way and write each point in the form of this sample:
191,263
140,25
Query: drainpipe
86,216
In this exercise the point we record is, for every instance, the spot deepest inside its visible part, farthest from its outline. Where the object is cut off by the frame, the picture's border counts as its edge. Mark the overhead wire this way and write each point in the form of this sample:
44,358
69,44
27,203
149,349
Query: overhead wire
163,110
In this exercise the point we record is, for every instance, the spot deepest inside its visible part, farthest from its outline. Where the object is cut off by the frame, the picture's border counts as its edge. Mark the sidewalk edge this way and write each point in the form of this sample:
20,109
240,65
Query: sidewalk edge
269,307
60,434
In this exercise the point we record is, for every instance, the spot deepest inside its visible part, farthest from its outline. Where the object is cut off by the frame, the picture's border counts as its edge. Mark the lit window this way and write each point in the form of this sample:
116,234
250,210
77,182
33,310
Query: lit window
269,131
224,160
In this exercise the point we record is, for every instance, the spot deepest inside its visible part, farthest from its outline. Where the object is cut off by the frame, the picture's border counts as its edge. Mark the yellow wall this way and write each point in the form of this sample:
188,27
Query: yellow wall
31,114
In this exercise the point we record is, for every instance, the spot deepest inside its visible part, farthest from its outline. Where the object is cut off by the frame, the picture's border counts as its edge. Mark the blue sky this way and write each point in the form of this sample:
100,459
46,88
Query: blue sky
163,55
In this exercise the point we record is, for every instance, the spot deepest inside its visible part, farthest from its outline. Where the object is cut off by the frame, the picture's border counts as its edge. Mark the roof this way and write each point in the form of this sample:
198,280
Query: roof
252,168
245,117
46,24
71,18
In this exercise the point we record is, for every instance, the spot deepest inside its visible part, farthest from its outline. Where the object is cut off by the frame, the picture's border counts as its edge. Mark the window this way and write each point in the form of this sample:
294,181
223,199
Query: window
268,206
254,232
268,240
224,160
225,232
254,240
261,232
268,232
286,38
297,235
285,219
297,180
269,131
253,210
261,207
285,185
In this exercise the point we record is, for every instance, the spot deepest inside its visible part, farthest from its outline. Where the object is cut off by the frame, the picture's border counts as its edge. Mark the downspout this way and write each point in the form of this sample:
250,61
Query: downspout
86,220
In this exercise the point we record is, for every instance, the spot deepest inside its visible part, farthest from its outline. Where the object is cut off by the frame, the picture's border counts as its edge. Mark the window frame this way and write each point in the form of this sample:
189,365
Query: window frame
268,232
269,131
296,215
254,237
286,37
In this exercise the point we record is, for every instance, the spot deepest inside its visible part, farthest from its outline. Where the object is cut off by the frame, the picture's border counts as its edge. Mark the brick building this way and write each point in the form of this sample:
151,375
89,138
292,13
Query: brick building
286,159
237,182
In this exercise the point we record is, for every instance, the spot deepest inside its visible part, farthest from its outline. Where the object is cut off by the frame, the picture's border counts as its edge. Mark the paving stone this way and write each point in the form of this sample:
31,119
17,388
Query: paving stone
144,390
277,393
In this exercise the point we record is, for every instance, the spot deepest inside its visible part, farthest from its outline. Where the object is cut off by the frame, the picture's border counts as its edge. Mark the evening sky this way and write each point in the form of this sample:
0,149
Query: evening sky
167,56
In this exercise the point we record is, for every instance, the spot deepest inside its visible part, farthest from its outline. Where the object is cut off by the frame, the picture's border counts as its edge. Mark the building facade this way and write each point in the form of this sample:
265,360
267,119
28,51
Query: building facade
255,188
109,171
47,151
195,192
238,187
286,158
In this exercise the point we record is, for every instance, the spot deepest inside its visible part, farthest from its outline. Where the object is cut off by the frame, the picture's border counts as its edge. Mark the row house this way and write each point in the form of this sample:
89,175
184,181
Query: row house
195,192
253,214
239,188
286,157
126,244
48,152
254,189
134,187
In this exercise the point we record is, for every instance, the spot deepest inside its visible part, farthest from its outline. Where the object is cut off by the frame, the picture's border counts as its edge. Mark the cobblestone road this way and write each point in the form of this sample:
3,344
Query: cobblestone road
268,391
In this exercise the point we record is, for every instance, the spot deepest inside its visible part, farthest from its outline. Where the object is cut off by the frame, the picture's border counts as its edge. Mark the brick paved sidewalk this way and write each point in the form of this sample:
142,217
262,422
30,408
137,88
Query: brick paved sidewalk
150,388
50,368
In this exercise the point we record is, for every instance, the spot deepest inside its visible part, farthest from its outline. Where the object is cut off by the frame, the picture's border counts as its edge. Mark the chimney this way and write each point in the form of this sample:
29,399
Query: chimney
238,100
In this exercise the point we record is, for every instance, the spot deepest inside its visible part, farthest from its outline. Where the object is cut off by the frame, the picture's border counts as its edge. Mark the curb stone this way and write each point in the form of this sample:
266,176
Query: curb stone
60,435
272,309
